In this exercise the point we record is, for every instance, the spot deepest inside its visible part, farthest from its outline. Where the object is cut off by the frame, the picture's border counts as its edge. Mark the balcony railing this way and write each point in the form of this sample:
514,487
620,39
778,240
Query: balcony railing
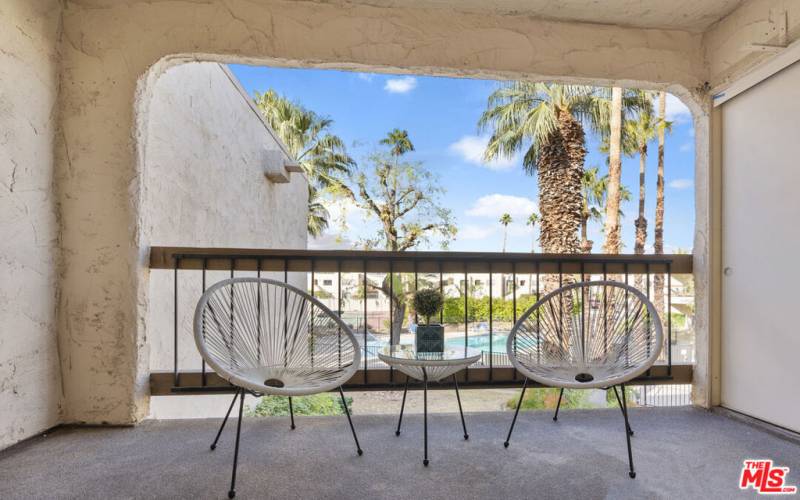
340,279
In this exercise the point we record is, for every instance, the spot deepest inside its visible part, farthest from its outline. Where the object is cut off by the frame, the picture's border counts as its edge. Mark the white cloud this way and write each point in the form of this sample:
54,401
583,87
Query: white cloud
471,147
495,205
681,183
686,146
475,232
400,85
676,110
367,77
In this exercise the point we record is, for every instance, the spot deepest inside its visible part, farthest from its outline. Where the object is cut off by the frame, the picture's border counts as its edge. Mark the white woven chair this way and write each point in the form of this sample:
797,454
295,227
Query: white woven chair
267,337
597,334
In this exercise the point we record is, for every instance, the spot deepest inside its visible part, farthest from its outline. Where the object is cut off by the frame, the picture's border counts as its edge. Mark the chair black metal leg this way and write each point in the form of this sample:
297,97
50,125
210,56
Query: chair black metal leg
460,410
627,426
224,421
291,411
560,395
350,421
623,405
516,412
425,413
402,407
232,491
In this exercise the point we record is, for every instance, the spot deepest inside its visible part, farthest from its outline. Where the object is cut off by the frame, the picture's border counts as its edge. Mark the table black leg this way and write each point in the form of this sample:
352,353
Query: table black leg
402,407
425,409
460,410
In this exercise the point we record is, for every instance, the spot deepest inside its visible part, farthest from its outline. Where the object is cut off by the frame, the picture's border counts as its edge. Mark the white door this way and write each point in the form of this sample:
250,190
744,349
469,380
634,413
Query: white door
761,250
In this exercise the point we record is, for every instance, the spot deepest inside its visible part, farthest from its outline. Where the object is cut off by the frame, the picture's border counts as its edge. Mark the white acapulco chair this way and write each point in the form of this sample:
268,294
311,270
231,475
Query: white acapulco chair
588,335
268,337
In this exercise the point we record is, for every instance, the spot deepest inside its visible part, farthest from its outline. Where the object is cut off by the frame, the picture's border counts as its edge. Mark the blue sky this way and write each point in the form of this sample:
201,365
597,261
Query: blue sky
440,115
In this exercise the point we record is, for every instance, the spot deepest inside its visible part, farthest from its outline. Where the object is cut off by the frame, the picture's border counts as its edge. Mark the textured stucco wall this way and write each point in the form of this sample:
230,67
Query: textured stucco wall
113,53
108,48
204,185
30,384
110,56
754,22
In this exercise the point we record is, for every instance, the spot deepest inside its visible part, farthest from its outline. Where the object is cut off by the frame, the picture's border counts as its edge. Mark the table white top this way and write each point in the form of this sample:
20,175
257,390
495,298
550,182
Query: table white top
407,355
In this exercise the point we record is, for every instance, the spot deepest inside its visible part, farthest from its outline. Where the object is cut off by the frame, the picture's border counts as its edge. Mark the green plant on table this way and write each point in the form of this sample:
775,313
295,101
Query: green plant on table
428,303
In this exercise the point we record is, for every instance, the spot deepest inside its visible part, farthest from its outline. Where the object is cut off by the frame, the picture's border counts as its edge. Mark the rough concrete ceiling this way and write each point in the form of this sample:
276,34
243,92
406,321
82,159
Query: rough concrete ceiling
686,15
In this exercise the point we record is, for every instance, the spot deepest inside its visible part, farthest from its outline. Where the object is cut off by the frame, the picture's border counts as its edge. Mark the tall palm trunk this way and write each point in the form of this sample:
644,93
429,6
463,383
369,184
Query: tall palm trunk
658,242
641,221
560,170
586,243
612,229
505,237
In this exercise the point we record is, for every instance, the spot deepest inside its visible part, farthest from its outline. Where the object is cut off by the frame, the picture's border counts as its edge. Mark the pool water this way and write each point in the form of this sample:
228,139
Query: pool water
481,341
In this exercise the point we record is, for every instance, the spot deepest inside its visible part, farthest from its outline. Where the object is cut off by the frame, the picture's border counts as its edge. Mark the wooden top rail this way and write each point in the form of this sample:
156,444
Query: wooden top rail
422,262
381,379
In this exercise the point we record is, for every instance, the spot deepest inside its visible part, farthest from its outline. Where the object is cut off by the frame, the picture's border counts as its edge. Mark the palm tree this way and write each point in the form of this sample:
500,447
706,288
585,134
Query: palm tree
621,104
638,133
532,218
658,233
505,220
318,215
546,121
595,192
612,231
322,155
399,142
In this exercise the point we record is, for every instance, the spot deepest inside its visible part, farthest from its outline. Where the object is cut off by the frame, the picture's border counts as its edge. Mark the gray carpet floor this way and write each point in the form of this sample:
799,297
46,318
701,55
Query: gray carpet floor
679,453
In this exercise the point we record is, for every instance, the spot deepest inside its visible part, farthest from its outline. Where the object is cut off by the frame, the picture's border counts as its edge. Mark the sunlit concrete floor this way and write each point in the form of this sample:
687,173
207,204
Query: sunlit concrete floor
679,453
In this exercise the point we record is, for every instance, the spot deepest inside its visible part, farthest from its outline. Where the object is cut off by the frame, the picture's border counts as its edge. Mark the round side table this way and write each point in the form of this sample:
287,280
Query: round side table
429,366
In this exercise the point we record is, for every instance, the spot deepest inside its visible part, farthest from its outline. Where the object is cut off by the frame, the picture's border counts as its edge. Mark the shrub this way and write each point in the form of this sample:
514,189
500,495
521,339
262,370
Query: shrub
316,404
540,399
428,303
478,308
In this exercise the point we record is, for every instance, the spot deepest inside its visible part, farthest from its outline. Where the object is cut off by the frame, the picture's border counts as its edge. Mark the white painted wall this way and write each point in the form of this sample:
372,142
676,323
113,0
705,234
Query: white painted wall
204,186
761,210
30,382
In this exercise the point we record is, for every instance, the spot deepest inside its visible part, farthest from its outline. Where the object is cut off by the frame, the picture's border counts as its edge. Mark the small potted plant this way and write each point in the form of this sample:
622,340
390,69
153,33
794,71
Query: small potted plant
430,336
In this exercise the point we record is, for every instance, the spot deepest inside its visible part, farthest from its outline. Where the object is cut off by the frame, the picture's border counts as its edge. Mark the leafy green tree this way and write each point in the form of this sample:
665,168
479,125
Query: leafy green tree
405,198
322,154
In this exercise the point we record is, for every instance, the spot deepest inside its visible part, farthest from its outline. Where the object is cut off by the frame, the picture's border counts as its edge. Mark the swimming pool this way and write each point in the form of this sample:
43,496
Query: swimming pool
481,341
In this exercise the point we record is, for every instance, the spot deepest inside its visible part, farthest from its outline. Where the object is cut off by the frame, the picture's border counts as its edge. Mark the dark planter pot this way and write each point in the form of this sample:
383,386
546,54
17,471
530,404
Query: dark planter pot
430,338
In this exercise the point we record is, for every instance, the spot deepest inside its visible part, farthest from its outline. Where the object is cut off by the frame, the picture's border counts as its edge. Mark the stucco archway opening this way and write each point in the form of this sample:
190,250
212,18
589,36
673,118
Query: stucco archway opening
168,220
